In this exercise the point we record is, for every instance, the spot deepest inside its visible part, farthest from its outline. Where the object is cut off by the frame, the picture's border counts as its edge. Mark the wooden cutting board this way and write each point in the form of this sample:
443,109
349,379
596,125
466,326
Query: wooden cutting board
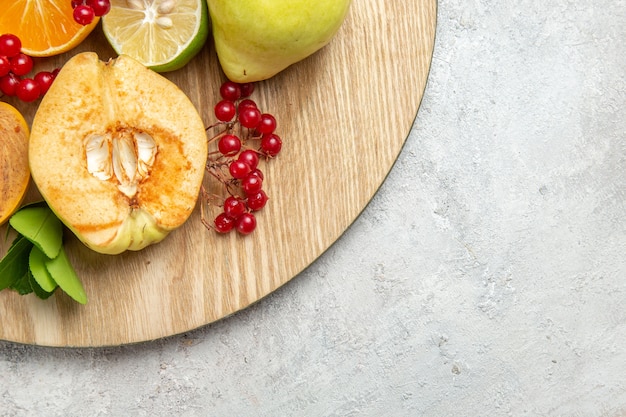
343,113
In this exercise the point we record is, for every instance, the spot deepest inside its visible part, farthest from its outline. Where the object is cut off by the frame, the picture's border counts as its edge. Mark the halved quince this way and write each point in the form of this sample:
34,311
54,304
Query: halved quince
118,152
14,173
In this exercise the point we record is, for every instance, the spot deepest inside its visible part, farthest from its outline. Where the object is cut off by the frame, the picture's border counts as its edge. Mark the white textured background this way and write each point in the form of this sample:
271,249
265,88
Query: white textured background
486,278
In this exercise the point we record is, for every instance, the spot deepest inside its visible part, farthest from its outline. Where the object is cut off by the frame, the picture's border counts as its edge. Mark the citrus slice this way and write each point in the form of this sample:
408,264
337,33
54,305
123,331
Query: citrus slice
45,28
14,172
161,34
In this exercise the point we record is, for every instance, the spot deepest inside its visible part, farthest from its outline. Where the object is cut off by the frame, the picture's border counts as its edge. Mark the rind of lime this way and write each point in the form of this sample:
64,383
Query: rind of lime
124,29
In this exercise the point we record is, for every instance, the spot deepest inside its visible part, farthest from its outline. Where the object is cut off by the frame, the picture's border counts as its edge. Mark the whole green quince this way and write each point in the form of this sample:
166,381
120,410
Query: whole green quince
256,39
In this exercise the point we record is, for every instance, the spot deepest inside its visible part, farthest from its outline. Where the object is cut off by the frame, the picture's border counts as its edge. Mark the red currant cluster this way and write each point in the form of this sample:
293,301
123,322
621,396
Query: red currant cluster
86,10
14,65
235,163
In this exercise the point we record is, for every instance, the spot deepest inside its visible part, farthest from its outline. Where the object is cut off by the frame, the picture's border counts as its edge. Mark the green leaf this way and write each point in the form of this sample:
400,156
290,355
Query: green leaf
39,292
22,284
64,274
37,263
15,263
41,226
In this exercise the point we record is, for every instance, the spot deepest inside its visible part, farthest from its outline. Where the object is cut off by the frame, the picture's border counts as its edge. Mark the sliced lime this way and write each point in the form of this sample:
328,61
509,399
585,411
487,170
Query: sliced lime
161,34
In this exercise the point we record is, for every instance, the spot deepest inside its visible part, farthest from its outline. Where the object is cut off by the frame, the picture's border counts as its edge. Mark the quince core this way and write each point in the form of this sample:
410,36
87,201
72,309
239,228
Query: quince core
118,152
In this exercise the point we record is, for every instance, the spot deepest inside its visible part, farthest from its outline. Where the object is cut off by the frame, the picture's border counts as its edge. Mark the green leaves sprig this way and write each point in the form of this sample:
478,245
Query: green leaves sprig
36,261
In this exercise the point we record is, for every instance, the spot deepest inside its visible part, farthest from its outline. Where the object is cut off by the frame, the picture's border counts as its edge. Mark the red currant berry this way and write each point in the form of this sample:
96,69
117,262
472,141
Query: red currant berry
5,66
76,3
250,117
250,157
21,64
234,207
257,201
239,169
246,89
271,144
28,90
230,91
251,184
83,15
229,145
223,223
246,223
44,79
245,103
257,172
9,83
267,124
10,45
100,7
225,110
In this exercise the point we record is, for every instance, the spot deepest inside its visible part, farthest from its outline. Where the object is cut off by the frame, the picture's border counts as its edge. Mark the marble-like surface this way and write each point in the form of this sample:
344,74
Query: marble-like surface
486,278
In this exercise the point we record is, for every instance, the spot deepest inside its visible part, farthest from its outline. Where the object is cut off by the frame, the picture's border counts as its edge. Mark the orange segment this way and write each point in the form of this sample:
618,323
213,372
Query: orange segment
45,27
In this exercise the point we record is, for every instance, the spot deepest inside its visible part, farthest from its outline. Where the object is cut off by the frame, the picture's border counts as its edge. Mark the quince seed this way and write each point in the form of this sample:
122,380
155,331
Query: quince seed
146,152
97,148
125,165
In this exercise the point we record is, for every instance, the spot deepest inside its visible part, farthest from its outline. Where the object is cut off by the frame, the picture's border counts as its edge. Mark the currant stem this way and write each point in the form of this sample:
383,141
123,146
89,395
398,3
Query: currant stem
219,135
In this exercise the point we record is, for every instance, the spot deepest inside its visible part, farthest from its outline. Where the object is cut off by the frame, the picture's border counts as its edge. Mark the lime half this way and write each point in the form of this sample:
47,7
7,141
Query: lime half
161,34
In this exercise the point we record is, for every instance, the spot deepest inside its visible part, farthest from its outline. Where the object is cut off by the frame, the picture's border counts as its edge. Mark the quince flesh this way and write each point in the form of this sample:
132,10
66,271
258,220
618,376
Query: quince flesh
256,39
14,173
118,152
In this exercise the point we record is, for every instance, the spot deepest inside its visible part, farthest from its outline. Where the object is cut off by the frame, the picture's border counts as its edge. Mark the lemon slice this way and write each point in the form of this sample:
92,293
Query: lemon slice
161,34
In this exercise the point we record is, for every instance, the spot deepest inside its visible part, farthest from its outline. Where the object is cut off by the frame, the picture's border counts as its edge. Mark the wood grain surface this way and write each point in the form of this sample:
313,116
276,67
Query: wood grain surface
343,113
